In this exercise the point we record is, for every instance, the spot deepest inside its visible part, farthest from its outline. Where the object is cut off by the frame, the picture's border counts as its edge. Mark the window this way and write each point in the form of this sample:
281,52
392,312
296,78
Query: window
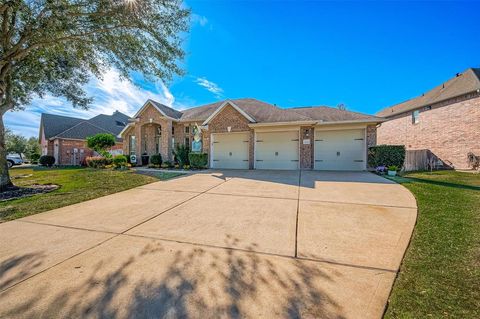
415,117
187,142
132,144
173,130
427,108
187,129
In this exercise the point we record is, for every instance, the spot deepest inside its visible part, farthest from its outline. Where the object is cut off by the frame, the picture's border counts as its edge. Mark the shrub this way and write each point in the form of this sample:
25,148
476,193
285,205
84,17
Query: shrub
181,154
386,155
198,160
186,166
393,168
98,161
35,157
168,163
156,159
101,142
164,165
46,160
473,161
119,161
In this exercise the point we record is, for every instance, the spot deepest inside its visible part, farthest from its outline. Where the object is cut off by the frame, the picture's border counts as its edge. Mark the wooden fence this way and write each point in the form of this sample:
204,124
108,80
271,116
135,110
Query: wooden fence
420,160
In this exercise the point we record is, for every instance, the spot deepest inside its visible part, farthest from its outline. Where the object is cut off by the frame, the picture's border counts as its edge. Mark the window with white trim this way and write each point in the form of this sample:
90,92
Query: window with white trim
415,117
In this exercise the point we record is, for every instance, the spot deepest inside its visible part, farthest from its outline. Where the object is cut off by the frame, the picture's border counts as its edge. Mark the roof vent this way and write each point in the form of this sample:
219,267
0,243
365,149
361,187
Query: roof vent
458,74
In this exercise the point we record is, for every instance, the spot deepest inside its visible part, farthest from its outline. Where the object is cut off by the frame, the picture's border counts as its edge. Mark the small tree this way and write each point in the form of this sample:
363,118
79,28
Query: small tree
33,149
15,143
101,142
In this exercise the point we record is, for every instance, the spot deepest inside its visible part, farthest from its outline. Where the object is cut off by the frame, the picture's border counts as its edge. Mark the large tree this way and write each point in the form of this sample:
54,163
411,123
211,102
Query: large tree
55,46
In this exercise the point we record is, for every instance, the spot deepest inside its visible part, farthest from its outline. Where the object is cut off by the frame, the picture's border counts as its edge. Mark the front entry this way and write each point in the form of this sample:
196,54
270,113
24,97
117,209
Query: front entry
230,150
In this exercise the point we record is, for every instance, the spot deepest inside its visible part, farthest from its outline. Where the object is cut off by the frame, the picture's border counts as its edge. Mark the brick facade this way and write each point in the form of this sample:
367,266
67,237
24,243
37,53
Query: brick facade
69,151
227,120
450,130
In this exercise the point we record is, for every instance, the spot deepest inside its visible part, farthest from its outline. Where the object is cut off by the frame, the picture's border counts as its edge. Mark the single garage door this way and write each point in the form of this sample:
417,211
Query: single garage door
277,150
230,150
340,150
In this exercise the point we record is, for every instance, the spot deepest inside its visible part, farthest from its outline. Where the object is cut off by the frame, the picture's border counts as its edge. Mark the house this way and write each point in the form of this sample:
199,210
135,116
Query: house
65,137
251,134
445,120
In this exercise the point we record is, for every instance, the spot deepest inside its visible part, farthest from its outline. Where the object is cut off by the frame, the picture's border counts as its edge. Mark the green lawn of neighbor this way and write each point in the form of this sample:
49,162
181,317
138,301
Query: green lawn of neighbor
440,274
76,185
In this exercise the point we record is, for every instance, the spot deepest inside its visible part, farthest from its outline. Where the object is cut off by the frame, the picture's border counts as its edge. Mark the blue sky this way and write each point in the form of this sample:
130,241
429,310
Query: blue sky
367,55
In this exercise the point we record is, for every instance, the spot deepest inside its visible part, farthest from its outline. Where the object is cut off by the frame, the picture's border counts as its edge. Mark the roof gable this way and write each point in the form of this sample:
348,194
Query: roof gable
225,104
162,109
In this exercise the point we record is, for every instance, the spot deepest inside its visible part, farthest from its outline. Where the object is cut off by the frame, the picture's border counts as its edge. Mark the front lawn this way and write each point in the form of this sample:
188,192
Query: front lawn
440,274
76,185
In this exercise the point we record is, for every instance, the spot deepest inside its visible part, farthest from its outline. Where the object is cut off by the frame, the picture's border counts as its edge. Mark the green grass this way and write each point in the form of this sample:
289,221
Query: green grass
76,185
440,274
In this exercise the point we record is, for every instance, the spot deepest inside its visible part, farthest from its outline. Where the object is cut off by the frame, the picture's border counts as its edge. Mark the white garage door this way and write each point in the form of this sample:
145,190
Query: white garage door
230,150
340,150
277,150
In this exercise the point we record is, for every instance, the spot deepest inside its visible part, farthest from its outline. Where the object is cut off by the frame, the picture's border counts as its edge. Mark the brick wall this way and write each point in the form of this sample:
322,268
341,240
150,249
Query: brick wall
449,131
306,150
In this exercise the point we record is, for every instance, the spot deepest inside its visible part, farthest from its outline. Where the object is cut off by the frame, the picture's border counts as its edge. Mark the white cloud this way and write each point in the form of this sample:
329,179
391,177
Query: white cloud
110,94
210,86
198,19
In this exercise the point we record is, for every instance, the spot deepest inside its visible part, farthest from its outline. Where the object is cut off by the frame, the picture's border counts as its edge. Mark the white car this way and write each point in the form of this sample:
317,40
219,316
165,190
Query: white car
14,159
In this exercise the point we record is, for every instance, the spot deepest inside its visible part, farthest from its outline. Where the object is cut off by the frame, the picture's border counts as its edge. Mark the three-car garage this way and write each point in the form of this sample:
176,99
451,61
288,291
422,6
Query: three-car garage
333,149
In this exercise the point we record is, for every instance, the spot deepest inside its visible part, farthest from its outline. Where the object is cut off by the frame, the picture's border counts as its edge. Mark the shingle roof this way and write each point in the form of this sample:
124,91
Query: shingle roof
462,83
330,114
267,113
167,110
76,128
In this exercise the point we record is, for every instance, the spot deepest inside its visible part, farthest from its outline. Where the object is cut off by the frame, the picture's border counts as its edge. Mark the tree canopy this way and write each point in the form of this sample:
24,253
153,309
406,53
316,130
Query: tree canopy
55,46
101,142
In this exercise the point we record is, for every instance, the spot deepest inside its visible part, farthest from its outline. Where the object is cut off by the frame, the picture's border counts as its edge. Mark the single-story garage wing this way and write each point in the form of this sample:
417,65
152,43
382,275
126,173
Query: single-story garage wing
251,134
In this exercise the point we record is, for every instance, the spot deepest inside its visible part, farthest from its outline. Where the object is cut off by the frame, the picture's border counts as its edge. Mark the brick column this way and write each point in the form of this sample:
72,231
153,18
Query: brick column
306,150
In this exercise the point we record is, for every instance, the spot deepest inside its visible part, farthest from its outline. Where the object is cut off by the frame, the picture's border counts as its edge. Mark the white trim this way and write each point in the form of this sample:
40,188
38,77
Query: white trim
221,107
284,123
125,129
353,122
149,101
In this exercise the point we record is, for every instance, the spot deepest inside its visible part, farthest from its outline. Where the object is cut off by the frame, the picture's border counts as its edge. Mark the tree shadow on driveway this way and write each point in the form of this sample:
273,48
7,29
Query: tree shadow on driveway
169,280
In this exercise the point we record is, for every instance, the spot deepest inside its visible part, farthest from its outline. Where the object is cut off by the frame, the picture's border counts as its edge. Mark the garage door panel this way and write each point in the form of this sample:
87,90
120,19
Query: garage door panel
230,150
277,150
340,150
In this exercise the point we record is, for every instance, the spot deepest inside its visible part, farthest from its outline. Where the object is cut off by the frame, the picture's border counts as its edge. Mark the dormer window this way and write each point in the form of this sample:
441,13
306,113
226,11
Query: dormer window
416,117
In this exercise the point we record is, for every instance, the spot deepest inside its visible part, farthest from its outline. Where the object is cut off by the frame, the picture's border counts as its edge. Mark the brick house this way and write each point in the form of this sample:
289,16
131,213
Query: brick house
251,134
445,120
64,137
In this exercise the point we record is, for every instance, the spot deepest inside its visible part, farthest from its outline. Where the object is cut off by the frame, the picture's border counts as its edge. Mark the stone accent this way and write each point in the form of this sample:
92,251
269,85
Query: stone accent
306,150
449,131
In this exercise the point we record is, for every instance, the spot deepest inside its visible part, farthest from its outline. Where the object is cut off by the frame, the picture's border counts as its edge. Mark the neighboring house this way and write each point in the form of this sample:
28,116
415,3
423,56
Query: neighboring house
65,137
445,120
251,134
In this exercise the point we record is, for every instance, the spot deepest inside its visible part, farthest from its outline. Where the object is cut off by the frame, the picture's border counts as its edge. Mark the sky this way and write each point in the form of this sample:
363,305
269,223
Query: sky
366,55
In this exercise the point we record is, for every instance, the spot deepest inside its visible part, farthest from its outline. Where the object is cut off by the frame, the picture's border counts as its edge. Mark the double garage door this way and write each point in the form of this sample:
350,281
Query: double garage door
274,150
334,150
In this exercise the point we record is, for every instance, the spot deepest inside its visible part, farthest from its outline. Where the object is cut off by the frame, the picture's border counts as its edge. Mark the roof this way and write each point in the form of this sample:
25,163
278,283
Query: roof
58,126
263,112
462,83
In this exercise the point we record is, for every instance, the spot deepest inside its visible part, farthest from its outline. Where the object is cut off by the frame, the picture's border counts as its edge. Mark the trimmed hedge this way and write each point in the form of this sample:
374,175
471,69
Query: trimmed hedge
386,155
119,161
198,160
46,160
156,159
98,161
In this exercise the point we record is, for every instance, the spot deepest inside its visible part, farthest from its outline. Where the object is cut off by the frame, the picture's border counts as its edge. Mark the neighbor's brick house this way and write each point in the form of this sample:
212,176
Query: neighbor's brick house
251,134
445,120
64,137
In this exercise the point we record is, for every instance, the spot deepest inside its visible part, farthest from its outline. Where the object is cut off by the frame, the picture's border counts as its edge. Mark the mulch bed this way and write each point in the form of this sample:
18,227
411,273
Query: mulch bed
20,192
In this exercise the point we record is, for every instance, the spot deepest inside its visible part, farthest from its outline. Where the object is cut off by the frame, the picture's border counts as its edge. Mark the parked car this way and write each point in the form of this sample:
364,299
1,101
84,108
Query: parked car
14,159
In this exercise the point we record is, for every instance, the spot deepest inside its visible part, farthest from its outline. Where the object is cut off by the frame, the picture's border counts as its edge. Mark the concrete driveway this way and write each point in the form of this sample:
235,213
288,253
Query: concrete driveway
230,244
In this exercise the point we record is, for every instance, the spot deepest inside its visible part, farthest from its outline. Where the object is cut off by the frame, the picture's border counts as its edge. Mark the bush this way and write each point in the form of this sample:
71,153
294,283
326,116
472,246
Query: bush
101,142
46,160
393,168
198,160
386,155
181,154
119,161
473,161
35,157
168,164
156,159
98,161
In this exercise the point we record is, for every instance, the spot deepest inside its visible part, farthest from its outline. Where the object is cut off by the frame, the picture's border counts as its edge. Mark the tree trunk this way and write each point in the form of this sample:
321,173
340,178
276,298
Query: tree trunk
5,181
